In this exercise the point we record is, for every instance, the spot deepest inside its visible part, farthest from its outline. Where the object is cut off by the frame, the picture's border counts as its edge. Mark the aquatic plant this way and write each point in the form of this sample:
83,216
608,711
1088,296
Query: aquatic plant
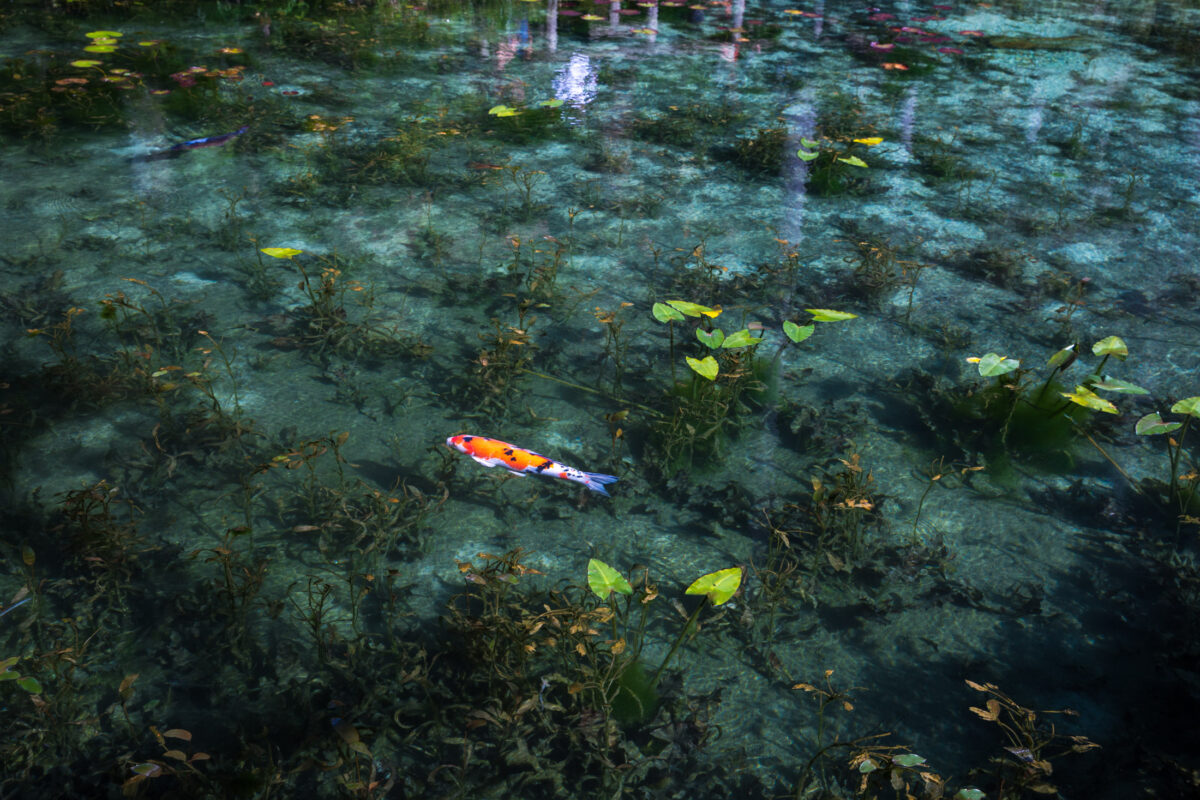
1179,491
1032,744
1014,412
506,357
832,164
329,323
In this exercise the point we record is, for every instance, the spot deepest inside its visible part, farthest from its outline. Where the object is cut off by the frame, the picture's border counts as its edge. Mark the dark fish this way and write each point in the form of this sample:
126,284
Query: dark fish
176,150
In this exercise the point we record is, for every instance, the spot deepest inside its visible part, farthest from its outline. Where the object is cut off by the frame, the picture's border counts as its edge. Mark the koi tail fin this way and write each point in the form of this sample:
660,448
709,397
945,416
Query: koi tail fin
596,482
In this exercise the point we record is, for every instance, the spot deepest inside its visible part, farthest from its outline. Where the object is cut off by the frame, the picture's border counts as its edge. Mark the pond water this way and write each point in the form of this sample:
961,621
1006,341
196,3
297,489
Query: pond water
888,311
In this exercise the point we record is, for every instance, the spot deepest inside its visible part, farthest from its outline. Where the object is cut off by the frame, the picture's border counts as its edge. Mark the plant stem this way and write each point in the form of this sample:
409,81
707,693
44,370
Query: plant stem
678,641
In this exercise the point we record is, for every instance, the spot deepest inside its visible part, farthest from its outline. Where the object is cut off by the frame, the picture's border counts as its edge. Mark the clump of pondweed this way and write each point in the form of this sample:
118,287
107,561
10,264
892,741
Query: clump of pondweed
1031,744
329,324
764,150
996,265
706,406
879,268
535,269
871,759
1181,491
1015,413
101,532
551,671
505,358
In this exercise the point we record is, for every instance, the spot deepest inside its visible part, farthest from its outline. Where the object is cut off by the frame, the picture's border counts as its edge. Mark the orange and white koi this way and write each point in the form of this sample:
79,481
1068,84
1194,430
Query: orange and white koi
519,461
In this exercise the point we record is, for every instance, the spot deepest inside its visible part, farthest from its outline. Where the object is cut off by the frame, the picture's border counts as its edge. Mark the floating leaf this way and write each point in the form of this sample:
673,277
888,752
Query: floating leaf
719,586
829,315
1064,357
694,309
805,155
604,580
178,733
104,34
909,760
29,684
992,365
853,161
870,141
809,143
1085,397
85,62
705,367
664,313
555,103
742,338
147,770
100,48
1111,346
711,339
867,767
281,252
504,111
970,794
1188,405
1118,385
797,333
1152,424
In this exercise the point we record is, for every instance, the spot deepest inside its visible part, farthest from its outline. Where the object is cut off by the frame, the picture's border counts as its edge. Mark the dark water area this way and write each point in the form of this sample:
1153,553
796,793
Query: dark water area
882,317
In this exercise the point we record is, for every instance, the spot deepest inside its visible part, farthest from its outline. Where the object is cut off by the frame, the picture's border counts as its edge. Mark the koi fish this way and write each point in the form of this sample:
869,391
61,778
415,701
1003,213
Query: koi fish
194,144
517,460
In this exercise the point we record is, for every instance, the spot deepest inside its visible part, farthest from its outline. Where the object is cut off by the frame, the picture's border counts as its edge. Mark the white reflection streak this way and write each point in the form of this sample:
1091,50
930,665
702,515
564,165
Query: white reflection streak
802,122
551,25
575,83
908,116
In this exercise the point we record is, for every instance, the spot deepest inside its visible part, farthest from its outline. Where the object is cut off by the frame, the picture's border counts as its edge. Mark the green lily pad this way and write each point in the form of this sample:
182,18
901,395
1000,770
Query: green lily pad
281,252
805,155
664,313
1188,405
604,580
1118,385
1064,356
719,586
104,34
1111,346
742,338
970,794
711,339
504,111
992,365
829,315
693,309
555,103
1085,397
853,161
704,367
1152,424
909,760
809,143
797,333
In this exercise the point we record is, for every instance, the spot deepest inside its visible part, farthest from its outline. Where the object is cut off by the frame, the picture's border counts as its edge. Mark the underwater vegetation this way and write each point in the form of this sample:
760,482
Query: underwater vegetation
832,292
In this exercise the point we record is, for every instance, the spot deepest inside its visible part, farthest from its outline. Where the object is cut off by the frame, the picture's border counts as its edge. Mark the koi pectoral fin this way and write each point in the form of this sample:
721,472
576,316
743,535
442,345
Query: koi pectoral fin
487,462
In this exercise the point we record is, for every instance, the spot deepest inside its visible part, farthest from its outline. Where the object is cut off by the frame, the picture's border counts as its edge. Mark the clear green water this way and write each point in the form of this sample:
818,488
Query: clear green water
489,199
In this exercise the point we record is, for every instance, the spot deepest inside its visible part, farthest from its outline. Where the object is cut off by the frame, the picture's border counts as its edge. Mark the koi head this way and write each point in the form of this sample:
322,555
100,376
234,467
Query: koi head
459,442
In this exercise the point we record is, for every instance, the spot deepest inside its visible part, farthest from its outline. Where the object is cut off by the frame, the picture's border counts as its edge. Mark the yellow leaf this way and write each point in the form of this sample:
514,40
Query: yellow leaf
870,141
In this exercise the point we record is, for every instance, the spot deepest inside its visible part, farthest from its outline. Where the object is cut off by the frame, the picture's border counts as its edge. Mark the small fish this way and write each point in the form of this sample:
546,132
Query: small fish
495,453
194,144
